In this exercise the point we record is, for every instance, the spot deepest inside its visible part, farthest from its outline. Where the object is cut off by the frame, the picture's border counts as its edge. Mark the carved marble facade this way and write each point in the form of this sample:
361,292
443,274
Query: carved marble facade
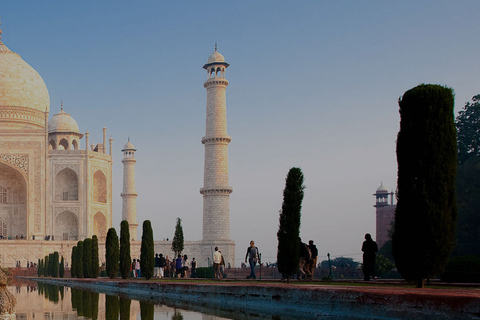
50,187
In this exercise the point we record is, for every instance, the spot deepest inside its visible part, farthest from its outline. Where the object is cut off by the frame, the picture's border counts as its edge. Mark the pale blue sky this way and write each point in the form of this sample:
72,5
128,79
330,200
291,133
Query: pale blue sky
313,84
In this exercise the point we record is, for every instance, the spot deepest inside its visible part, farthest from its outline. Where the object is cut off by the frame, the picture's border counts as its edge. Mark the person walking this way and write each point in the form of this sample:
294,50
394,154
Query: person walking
253,258
156,269
178,266
193,268
217,260
162,263
185,266
137,268
312,263
369,248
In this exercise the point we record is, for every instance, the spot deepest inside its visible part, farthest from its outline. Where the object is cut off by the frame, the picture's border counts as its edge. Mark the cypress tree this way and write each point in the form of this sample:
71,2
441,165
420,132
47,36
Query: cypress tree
40,268
45,267
73,264
55,264
112,253
147,251
61,270
87,258
425,217
95,260
178,242
79,259
289,228
125,258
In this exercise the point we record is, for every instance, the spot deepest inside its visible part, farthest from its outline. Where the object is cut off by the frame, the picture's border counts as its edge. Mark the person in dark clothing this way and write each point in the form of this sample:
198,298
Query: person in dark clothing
369,249
194,268
178,266
312,263
163,264
253,257
156,269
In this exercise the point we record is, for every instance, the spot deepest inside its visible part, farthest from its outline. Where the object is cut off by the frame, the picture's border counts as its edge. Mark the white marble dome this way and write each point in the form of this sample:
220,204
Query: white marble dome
63,122
216,57
128,146
20,84
382,189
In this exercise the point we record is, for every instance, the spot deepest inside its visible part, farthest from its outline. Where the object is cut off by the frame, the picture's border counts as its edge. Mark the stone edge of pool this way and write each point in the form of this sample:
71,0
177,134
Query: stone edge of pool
297,300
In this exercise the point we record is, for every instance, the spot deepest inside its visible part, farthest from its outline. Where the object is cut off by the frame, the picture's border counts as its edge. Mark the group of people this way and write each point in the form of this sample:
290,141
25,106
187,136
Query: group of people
175,268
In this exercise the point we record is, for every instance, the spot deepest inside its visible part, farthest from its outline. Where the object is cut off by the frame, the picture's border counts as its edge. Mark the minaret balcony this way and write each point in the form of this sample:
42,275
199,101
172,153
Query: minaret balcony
212,140
216,191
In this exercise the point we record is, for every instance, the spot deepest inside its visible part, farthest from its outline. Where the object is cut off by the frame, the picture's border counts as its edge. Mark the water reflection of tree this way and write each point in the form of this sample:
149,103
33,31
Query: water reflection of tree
111,307
146,310
51,292
85,303
177,315
125,308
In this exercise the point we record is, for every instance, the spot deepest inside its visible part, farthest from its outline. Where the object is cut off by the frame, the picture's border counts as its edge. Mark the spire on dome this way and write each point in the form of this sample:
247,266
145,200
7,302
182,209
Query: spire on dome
215,47
0,29
61,105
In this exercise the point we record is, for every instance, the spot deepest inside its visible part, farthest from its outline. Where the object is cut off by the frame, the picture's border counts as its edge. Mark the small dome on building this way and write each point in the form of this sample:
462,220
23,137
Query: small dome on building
216,57
63,122
382,189
129,146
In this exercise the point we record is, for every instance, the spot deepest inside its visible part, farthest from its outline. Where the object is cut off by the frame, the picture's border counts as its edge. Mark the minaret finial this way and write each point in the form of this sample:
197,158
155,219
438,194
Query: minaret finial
61,105
215,47
129,139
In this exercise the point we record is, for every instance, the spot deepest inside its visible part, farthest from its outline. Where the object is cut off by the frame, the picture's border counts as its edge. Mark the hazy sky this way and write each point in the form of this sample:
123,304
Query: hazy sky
313,84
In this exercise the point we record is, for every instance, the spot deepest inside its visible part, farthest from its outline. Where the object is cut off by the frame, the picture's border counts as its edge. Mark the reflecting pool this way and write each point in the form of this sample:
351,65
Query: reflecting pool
38,301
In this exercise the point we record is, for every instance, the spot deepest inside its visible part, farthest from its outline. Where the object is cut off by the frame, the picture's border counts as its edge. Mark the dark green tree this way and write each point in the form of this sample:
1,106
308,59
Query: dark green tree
73,263
45,268
87,258
288,234
55,264
468,130
79,259
61,269
468,201
125,257
468,183
95,260
425,216
112,253
147,250
340,262
178,242
40,268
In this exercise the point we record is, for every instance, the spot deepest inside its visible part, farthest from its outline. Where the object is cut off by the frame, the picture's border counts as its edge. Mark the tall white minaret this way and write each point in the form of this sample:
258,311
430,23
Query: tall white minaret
216,191
129,194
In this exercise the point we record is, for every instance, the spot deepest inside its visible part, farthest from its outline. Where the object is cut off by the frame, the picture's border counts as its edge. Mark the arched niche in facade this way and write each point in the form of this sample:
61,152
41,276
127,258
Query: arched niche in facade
66,185
74,145
100,226
52,145
3,229
13,201
63,144
66,226
99,187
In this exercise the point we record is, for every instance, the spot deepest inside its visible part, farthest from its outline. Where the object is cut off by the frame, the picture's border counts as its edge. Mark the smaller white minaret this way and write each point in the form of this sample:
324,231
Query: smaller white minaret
129,194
